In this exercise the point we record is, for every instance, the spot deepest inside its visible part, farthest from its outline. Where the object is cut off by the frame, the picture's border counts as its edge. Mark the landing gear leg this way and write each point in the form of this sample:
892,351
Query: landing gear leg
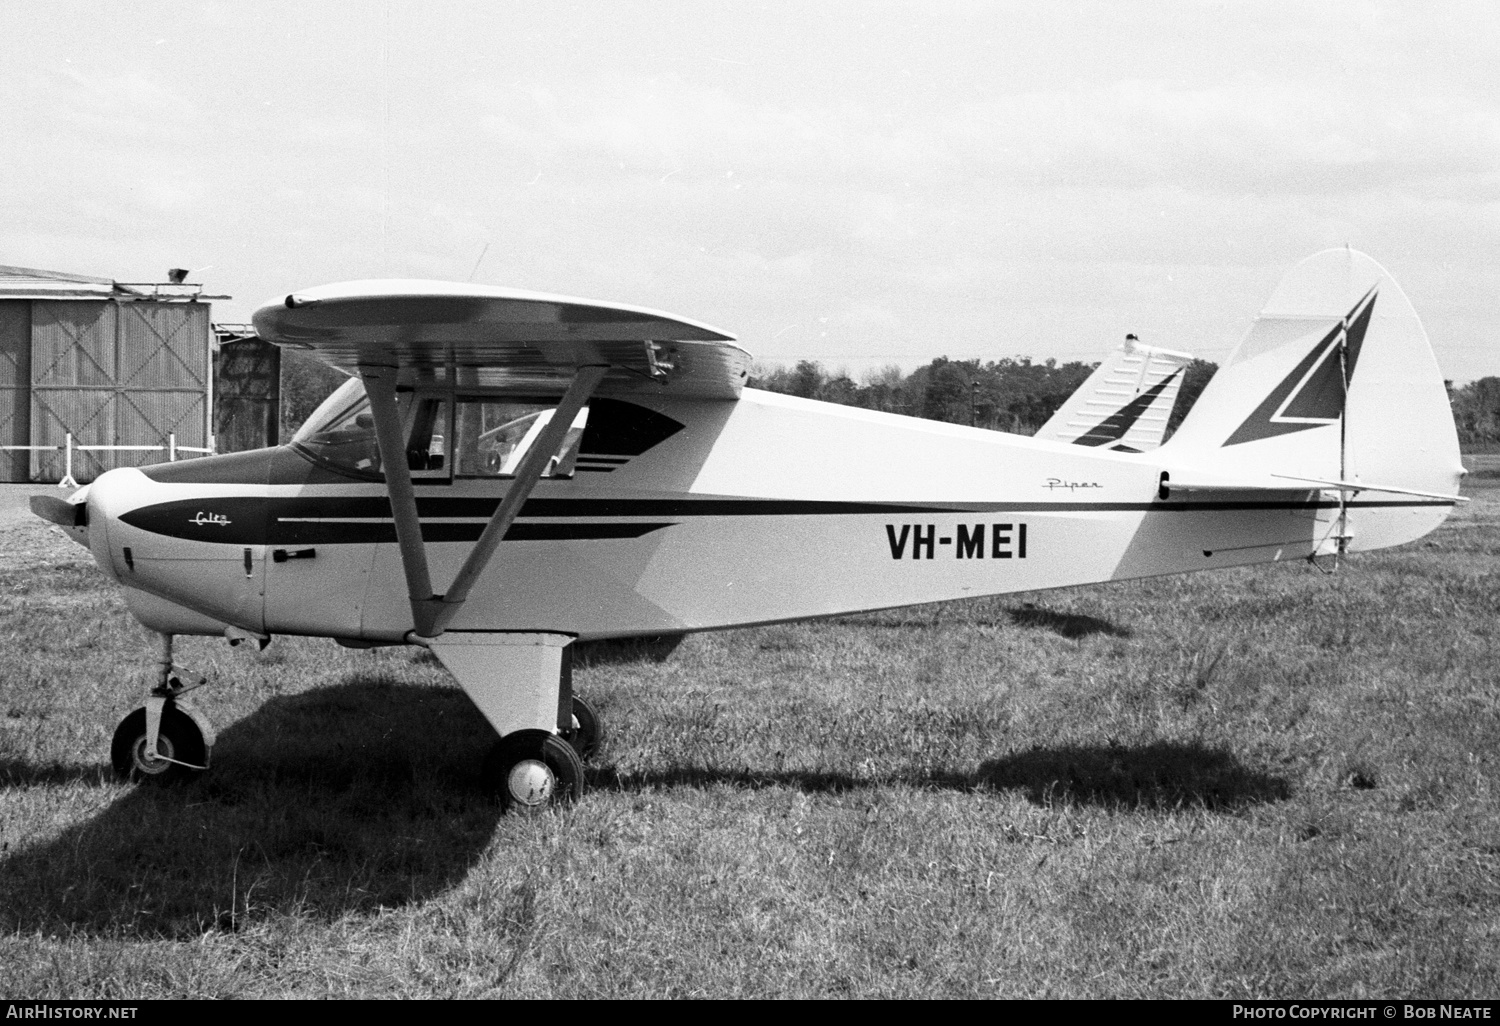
166,740
523,684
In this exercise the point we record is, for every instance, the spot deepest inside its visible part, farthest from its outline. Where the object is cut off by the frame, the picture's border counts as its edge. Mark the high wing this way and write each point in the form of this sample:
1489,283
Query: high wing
491,337
398,333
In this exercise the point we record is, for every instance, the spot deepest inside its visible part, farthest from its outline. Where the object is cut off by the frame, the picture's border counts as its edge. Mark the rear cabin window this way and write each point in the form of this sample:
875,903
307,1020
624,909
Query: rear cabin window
492,436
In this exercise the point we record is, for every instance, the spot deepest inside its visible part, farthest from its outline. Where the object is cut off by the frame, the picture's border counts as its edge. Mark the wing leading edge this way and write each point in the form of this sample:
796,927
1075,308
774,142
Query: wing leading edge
487,336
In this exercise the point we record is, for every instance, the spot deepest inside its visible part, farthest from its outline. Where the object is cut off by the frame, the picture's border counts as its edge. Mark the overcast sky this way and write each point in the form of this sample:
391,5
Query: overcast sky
859,183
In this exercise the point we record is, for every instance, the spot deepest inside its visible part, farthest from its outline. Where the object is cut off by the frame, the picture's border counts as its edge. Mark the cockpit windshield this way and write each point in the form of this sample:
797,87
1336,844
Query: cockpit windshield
486,435
342,430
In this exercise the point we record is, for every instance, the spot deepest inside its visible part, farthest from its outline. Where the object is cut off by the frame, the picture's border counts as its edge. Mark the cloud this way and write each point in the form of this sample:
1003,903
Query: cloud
1008,177
1248,132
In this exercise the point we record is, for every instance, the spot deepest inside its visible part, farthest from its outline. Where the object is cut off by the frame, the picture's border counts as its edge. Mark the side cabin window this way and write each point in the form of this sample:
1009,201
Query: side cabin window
472,437
492,436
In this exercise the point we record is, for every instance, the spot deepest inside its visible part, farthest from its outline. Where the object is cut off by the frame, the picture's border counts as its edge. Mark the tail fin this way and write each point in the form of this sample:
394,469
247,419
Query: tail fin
1125,403
1336,381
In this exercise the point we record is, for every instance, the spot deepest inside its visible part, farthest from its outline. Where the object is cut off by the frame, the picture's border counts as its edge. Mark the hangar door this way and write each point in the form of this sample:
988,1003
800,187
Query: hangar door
116,374
247,395
15,388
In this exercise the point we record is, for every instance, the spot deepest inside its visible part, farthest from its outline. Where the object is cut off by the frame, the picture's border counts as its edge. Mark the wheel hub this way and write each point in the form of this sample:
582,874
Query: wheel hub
164,751
531,782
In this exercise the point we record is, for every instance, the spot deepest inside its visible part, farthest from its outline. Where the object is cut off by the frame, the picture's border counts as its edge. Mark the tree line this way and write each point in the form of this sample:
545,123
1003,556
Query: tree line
1476,412
1010,394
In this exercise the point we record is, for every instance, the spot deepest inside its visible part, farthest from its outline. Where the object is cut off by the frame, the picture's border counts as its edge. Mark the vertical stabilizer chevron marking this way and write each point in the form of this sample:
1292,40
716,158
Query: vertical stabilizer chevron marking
1312,395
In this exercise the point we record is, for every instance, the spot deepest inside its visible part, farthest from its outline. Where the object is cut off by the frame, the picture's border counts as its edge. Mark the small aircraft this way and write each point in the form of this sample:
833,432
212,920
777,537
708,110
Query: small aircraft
508,472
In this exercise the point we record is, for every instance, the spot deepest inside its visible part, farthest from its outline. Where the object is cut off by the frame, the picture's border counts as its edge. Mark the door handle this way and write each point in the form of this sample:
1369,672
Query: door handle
282,555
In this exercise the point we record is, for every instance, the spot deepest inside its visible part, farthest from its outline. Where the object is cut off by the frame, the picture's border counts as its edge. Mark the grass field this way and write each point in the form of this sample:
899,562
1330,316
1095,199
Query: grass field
1270,782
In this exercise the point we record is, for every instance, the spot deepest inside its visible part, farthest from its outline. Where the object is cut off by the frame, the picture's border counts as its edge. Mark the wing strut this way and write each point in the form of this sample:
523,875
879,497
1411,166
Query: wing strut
585,380
380,386
432,613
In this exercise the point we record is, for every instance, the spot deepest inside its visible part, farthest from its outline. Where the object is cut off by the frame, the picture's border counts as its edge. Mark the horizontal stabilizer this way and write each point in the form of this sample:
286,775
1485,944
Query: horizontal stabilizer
1182,484
1360,486
1124,405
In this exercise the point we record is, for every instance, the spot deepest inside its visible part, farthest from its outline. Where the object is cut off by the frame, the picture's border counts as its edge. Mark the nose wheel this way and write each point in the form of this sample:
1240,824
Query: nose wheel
180,754
532,771
167,740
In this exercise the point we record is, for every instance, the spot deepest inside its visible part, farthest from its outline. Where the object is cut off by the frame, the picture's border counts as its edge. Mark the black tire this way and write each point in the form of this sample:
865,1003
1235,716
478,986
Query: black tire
179,738
532,771
587,731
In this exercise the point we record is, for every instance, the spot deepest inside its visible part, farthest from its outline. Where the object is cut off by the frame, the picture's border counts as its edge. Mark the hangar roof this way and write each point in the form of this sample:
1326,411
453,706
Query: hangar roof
34,283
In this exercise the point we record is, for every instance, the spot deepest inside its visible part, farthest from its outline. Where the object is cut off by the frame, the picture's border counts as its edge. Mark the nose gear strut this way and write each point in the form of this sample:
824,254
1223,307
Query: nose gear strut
167,738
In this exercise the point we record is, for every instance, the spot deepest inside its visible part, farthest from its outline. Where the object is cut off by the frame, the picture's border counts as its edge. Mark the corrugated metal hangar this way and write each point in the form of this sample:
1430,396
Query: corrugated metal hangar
126,370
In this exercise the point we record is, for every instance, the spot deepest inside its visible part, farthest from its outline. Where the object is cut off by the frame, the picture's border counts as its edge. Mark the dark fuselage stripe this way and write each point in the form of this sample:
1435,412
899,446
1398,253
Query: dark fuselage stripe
247,520
334,532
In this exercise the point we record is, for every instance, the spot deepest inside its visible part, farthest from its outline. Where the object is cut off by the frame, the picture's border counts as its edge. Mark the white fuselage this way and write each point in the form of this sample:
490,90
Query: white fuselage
764,509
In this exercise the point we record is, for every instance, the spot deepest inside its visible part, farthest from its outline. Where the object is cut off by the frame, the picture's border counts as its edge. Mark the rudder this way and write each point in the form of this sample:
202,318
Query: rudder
1336,381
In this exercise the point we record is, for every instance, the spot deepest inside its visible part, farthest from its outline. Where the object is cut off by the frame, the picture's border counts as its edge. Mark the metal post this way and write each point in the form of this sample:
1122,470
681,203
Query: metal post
208,387
172,447
68,481
1343,539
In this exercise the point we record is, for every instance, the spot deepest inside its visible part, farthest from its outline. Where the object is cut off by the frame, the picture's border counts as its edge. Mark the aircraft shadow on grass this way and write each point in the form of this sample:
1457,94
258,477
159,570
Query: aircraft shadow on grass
1025,616
335,801
365,795
1158,776
1069,625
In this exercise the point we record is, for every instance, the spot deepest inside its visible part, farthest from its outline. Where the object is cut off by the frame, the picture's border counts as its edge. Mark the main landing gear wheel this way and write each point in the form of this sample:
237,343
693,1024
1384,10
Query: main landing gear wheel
179,740
532,770
586,732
